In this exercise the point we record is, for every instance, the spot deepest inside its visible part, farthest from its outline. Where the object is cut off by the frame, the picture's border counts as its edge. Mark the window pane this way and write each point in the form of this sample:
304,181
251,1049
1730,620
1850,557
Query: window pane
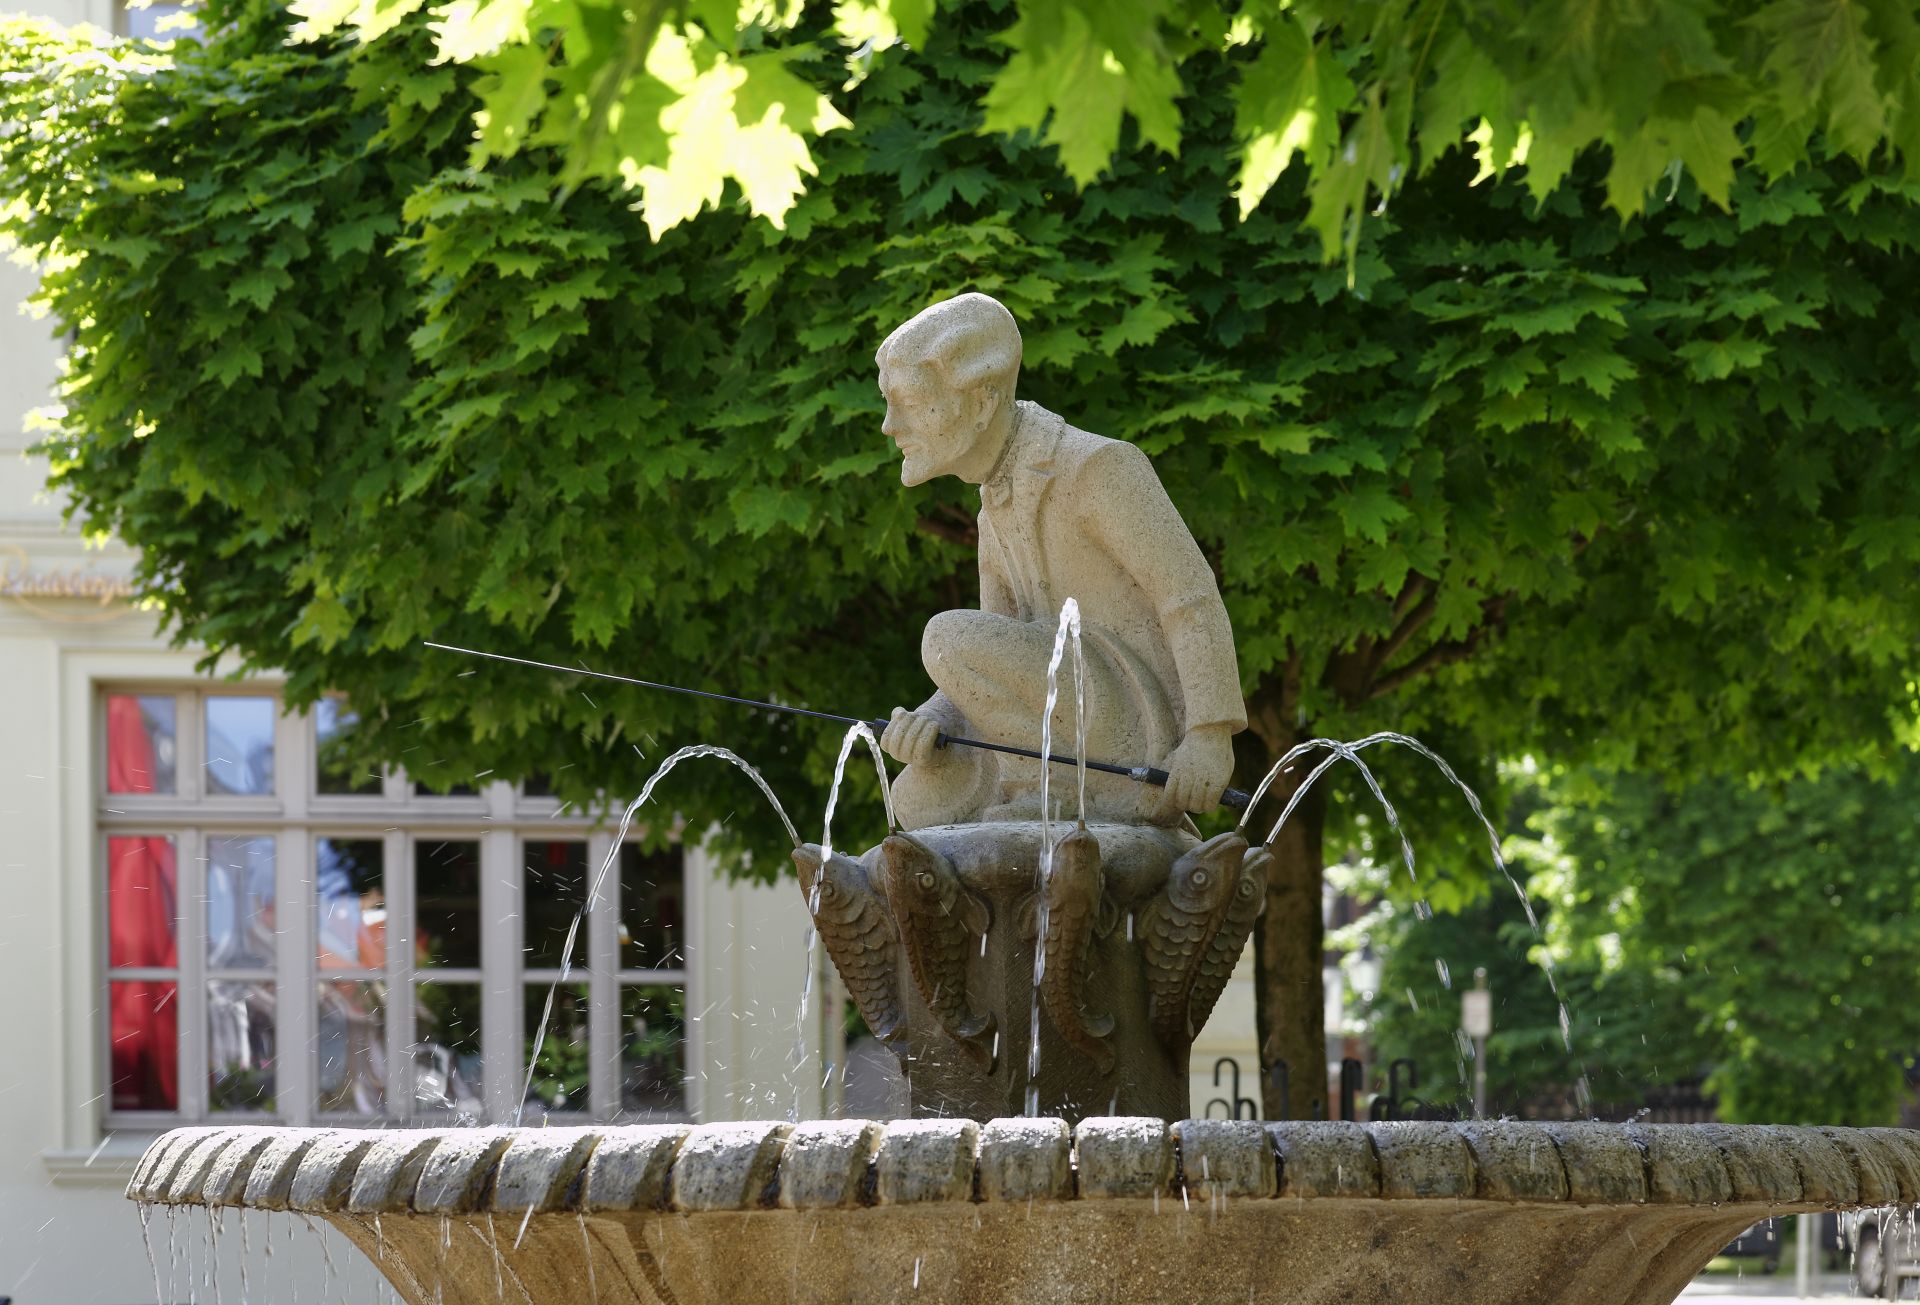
162,22
333,773
240,919
140,744
560,1075
141,902
352,904
446,1055
556,890
240,745
239,1046
650,920
351,1036
447,903
653,1049
144,1029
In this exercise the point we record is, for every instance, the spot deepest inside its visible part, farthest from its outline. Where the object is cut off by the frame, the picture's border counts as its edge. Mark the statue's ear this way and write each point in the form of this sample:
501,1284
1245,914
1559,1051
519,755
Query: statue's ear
985,399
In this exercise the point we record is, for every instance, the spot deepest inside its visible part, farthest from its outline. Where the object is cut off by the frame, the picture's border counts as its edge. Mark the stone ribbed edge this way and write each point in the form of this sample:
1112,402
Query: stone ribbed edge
824,1165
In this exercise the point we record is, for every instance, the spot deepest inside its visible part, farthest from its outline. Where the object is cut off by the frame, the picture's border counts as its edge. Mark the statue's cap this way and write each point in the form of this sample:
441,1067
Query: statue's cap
970,339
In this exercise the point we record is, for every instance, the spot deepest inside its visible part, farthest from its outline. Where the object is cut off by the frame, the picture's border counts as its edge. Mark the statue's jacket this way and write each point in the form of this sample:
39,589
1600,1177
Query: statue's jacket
1070,514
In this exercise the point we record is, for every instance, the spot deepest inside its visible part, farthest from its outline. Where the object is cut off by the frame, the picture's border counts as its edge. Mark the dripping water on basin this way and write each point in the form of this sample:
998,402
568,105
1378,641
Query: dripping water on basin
146,1240
586,1247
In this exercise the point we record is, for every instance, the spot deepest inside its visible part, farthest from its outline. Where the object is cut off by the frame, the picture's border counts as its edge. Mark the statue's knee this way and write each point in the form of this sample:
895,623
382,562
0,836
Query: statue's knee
948,638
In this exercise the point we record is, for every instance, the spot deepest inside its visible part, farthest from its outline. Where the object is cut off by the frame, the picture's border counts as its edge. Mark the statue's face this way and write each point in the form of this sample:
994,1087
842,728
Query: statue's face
935,425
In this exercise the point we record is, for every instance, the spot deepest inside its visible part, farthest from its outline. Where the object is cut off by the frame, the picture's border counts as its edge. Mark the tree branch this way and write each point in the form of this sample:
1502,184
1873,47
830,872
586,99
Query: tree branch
1446,653
942,525
1412,613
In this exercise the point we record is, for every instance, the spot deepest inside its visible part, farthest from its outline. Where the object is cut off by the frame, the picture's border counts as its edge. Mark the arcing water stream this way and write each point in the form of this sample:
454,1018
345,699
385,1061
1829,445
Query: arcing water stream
1067,633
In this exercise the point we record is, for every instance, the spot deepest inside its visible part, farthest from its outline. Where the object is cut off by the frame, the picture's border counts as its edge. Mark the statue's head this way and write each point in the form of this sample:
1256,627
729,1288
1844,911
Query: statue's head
948,378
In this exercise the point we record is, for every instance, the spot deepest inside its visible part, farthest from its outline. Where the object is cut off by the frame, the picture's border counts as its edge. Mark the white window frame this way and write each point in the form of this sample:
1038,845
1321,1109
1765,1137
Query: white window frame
497,818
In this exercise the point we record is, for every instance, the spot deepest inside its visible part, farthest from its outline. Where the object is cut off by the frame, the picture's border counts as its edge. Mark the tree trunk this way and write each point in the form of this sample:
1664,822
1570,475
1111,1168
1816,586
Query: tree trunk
1288,943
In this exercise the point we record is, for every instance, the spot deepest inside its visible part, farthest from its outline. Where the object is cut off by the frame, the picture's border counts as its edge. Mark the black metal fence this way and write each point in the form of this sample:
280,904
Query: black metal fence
1399,1097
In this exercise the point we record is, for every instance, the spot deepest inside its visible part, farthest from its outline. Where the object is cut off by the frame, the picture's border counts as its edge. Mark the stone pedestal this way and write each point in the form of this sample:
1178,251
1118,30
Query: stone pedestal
935,935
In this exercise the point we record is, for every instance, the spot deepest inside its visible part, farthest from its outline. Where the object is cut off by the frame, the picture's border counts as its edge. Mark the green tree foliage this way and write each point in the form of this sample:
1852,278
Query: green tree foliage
1764,938
1785,922
1633,493
675,97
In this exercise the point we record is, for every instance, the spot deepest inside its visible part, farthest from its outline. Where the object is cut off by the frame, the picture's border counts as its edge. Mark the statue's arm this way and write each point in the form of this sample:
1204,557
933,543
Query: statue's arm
996,591
1135,521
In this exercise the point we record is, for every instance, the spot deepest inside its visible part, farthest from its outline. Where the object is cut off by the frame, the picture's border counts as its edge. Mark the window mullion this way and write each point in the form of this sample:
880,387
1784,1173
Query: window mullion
295,946
189,747
502,894
397,884
190,871
298,998
603,954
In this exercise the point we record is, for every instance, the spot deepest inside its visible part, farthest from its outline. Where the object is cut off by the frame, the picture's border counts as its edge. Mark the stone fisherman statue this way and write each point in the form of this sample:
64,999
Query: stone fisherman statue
1063,513
1006,975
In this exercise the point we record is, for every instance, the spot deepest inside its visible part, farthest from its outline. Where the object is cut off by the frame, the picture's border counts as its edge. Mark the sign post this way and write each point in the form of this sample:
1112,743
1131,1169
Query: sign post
1476,1021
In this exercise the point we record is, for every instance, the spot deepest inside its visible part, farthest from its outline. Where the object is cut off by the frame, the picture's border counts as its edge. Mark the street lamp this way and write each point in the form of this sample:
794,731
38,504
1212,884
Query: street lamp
1476,1021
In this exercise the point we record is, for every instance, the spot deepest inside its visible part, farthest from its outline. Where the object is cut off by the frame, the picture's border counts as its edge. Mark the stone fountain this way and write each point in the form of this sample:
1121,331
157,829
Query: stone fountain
1039,945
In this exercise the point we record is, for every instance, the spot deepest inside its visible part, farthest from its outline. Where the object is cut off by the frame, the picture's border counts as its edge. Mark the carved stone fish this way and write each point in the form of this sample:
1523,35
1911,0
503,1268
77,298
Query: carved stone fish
1223,952
1073,893
1179,927
940,924
853,923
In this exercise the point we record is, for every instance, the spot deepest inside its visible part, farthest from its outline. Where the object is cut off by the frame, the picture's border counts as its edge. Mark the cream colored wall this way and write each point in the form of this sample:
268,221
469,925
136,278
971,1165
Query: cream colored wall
1228,1033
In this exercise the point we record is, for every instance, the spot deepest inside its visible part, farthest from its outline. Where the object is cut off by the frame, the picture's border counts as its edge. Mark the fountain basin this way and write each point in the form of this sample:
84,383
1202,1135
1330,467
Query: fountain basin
1029,1209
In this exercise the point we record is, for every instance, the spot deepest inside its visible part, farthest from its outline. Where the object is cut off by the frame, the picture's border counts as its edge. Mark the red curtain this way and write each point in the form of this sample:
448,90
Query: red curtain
142,910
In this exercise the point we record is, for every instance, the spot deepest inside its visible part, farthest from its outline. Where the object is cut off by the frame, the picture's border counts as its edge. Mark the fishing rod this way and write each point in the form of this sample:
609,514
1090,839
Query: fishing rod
1233,798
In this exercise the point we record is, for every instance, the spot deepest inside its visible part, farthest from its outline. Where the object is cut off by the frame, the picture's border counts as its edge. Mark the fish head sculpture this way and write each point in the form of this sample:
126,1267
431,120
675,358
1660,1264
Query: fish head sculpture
1206,877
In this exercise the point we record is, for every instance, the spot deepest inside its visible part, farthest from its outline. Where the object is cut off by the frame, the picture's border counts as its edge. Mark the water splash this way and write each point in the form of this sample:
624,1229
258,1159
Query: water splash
1349,751
1067,631
606,865
146,1240
586,1246
857,731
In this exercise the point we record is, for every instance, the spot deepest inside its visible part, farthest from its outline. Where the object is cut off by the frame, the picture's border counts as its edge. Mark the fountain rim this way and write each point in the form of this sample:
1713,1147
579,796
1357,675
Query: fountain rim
854,1164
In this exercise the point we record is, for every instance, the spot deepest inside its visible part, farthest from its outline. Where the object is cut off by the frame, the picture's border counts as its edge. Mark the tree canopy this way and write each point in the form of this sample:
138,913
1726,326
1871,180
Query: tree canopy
1761,938
1632,492
676,99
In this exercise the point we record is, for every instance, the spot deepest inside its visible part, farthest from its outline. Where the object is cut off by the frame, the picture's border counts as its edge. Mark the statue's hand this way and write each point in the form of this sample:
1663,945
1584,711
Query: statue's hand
1197,771
912,739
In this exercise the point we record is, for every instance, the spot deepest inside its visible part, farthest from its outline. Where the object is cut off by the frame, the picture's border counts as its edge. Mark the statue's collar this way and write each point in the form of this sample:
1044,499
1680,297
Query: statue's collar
1030,449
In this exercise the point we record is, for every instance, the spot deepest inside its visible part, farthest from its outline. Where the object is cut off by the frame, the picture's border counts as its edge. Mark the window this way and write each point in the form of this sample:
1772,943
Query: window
289,937
158,21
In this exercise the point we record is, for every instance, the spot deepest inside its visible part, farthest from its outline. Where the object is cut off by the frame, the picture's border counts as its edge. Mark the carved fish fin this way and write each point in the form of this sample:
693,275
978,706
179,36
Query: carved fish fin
973,912
1027,916
1099,1025
1106,917
977,1037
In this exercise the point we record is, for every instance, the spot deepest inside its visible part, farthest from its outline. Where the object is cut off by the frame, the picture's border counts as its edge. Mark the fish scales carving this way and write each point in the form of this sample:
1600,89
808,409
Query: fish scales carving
1180,926
853,924
1223,949
939,922
1073,892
